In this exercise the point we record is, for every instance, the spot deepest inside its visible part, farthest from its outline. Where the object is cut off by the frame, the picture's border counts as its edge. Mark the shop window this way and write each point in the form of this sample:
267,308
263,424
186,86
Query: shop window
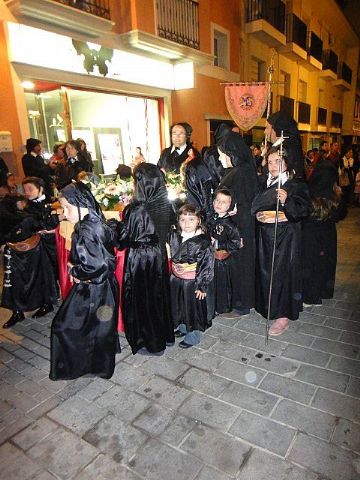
221,47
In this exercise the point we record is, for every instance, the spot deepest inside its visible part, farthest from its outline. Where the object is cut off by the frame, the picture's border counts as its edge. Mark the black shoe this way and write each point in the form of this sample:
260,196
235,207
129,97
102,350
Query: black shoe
183,344
178,334
14,319
43,311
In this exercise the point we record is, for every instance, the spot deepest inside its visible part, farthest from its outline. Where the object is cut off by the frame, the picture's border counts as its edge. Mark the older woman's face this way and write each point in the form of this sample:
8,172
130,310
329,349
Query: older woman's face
274,164
270,133
224,159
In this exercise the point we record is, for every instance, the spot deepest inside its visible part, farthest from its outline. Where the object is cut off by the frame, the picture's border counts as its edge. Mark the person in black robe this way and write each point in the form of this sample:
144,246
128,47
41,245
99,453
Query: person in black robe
192,271
286,295
203,175
180,151
281,122
4,170
226,240
39,207
29,283
319,234
84,337
241,178
34,166
145,294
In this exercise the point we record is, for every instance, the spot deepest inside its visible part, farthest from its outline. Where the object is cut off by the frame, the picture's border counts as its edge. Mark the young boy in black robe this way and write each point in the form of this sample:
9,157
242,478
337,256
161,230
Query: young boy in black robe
192,271
226,240
84,337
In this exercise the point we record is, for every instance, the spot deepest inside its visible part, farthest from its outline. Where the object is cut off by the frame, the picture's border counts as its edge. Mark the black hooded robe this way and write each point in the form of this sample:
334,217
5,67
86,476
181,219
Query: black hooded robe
286,299
242,180
319,237
84,337
146,290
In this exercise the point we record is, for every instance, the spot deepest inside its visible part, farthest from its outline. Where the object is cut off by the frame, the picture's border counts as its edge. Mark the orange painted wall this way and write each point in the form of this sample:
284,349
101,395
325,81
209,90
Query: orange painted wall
225,13
190,106
9,120
133,15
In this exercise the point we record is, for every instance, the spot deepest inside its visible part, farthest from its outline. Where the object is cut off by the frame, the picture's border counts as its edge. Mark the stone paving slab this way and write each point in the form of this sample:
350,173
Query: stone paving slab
329,460
264,433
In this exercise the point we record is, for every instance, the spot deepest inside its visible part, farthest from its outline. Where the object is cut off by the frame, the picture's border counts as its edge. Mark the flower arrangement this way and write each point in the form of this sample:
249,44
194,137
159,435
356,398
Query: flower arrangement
113,194
175,185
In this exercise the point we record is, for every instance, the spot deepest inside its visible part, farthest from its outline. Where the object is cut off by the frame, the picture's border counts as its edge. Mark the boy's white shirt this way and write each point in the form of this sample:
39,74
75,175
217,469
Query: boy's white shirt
185,236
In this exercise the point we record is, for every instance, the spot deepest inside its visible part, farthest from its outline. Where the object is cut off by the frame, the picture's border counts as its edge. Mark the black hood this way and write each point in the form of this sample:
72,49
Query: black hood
235,147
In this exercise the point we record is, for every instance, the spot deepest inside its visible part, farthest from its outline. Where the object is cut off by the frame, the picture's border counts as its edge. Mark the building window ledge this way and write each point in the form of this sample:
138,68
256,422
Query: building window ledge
342,85
159,47
265,32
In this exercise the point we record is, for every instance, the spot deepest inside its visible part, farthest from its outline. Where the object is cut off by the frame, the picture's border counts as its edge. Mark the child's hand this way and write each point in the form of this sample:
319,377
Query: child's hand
234,211
200,295
281,195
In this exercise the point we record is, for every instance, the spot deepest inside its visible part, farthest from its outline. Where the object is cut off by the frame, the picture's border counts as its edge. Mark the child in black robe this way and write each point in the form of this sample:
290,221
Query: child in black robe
84,337
46,222
29,283
226,240
294,205
192,271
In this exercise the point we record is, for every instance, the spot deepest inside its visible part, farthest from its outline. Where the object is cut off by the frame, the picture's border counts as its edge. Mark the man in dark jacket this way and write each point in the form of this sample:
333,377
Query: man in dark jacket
33,163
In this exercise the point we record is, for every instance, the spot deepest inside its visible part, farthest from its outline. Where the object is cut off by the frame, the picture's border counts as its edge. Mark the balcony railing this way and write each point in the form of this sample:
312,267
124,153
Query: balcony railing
336,120
178,21
322,114
345,72
296,31
330,61
100,8
273,11
304,112
287,105
315,47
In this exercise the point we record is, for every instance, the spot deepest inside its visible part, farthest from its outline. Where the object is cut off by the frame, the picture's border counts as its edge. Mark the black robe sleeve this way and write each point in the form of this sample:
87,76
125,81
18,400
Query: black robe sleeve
204,267
87,254
298,204
228,237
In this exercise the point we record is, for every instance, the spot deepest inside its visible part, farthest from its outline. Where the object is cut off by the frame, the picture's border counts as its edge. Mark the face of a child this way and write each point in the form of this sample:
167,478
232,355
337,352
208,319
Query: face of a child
32,192
222,204
71,212
21,204
188,223
273,164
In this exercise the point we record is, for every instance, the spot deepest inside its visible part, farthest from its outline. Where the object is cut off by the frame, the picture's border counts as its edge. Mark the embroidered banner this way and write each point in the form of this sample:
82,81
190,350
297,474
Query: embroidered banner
246,103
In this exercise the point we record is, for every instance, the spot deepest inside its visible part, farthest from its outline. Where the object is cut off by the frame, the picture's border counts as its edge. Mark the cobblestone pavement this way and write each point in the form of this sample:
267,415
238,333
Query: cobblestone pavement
230,409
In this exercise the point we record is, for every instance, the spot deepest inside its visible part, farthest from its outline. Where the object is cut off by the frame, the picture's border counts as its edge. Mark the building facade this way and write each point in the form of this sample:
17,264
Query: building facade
118,72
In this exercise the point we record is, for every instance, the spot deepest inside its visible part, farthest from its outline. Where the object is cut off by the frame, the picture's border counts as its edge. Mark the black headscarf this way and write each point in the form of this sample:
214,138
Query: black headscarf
282,122
234,146
79,195
221,132
322,180
151,190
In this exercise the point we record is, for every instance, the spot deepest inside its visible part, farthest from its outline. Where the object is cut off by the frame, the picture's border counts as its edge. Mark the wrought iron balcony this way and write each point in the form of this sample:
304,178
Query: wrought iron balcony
336,119
178,21
273,11
345,72
330,61
100,8
296,31
315,47
304,112
322,114
287,105
90,18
